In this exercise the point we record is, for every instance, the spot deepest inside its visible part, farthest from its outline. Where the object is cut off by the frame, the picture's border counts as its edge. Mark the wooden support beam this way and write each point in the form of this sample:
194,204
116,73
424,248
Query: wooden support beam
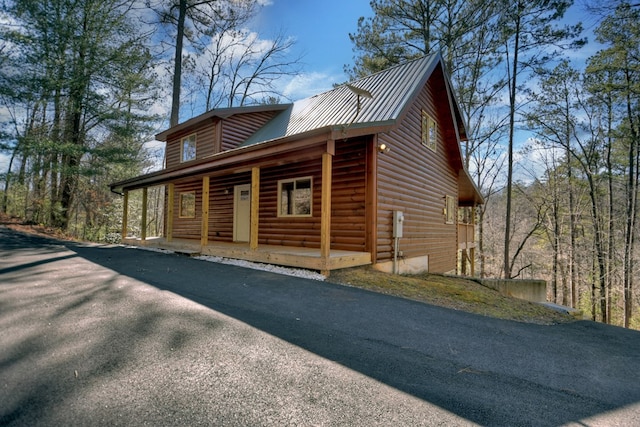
255,208
170,196
371,200
325,214
125,214
204,232
472,254
143,221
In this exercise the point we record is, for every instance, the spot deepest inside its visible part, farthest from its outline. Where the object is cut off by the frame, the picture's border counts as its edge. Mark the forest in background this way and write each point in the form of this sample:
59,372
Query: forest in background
80,82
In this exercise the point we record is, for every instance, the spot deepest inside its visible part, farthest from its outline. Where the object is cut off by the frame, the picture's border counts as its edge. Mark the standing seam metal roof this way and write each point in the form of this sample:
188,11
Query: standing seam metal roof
391,89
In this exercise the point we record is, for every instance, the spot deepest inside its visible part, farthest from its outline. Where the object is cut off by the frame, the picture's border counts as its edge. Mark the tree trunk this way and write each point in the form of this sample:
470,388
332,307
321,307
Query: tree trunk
177,62
600,252
632,200
512,112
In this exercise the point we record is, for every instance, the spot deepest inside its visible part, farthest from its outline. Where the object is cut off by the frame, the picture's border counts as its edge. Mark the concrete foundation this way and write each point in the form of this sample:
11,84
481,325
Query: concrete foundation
413,265
529,290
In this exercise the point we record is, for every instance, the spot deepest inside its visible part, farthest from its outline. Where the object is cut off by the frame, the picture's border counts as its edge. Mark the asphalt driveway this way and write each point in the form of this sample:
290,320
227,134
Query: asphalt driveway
106,335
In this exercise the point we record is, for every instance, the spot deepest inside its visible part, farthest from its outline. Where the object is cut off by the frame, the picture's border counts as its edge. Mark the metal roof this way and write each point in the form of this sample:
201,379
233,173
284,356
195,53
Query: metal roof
221,113
391,90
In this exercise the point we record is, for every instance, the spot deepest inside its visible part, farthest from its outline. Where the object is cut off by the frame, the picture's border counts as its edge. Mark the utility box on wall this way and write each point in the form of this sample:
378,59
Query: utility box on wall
398,220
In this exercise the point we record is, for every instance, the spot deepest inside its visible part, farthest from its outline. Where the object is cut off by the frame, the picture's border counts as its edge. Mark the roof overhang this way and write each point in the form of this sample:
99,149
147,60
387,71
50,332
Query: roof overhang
221,113
261,154
468,193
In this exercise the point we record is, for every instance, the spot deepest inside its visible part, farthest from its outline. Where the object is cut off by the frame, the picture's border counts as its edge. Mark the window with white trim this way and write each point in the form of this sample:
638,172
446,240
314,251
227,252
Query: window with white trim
188,148
429,131
295,197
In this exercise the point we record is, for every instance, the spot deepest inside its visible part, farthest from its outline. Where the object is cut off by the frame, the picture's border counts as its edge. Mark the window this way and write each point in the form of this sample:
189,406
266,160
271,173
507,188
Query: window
450,210
294,197
429,131
187,207
188,148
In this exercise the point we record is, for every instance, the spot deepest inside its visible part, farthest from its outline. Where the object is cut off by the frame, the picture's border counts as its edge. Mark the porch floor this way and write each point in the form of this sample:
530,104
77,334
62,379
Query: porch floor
299,257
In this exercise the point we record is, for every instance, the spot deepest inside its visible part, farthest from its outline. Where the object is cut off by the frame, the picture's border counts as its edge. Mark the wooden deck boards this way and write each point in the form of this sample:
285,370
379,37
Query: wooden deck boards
289,256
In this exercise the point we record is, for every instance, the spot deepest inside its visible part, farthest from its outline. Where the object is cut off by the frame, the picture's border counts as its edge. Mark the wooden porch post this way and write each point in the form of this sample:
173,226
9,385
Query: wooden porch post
169,230
325,214
255,208
204,232
371,200
125,214
143,222
472,251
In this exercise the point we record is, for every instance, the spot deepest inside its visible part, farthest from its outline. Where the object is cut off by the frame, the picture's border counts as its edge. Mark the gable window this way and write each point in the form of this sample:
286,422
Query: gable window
429,131
450,210
187,205
188,148
294,197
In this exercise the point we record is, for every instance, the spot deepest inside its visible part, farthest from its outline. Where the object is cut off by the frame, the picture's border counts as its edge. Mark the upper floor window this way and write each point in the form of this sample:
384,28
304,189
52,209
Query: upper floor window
188,148
294,197
429,131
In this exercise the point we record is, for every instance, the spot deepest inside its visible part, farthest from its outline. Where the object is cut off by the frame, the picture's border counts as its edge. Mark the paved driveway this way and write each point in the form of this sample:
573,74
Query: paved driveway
100,335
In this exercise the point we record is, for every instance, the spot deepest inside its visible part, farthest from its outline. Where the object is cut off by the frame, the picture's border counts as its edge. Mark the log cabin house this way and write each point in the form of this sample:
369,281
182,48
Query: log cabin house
366,173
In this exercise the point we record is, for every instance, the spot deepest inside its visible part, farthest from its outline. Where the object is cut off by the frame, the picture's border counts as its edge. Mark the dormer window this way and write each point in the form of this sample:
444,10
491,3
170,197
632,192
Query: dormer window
188,148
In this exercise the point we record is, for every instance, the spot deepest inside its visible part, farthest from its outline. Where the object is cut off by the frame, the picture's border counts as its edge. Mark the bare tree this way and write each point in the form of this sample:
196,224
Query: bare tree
530,30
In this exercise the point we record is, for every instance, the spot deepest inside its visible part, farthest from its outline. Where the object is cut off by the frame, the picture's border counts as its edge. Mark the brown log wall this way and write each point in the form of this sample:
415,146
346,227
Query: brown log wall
236,129
205,143
415,180
348,203
233,131
187,228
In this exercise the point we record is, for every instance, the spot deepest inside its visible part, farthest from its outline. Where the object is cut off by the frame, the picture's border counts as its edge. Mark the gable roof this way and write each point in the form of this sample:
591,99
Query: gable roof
339,111
392,91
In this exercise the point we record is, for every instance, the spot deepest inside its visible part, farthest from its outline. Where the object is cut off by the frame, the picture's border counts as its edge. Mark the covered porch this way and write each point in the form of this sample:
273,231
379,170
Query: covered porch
307,258
213,226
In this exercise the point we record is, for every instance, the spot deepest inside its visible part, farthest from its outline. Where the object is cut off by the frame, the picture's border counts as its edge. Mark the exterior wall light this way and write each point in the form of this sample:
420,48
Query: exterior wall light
383,148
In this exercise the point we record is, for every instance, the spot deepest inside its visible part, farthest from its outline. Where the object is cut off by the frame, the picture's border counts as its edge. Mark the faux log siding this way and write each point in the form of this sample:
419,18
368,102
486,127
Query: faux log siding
221,193
347,202
205,143
236,129
187,228
348,194
289,231
414,179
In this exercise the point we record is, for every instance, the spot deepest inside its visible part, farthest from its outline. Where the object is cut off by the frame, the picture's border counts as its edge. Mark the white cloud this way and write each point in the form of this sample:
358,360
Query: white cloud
308,84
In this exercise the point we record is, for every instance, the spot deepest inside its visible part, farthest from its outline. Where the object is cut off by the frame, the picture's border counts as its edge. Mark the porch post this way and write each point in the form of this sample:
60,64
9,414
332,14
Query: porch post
472,251
325,214
204,232
169,230
143,222
255,208
125,214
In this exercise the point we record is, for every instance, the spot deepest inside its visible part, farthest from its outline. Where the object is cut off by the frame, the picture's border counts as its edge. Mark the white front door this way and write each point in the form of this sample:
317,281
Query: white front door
241,213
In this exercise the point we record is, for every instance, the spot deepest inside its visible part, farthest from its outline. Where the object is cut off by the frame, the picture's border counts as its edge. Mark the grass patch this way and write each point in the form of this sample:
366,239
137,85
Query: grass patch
451,292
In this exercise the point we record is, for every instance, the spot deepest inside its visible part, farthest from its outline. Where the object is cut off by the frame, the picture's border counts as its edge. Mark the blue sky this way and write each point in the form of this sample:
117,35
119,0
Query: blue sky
321,30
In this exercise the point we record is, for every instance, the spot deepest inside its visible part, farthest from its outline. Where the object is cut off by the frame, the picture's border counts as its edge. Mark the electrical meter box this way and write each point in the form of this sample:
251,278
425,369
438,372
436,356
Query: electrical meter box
398,220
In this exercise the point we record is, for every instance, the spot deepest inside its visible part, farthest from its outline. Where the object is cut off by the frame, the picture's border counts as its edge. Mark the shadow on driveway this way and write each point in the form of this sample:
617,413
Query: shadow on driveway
484,370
